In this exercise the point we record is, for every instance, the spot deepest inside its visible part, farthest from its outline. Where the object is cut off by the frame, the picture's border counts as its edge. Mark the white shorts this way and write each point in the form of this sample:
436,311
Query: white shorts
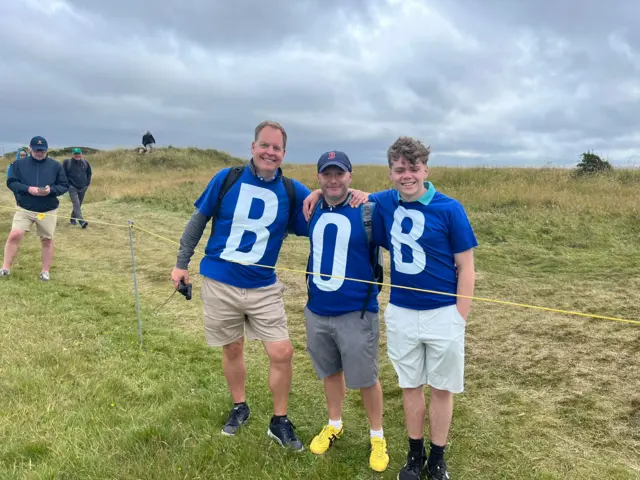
426,347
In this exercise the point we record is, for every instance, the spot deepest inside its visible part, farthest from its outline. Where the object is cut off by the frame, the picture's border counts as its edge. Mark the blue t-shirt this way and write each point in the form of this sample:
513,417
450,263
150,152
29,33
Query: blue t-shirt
423,236
340,247
250,228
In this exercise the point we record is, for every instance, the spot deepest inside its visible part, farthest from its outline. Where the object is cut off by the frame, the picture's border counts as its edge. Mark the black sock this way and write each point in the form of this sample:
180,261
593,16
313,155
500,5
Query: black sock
416,447
277,418
239,404
436,454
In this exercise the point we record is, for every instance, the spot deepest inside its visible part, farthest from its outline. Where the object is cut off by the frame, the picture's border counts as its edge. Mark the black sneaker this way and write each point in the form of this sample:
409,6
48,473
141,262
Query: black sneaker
281,430
83,224
73,222
237,418
412,470
438,471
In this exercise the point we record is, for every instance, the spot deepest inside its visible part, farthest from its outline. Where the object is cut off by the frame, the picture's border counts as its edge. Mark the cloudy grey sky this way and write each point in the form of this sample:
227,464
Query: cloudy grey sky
496,82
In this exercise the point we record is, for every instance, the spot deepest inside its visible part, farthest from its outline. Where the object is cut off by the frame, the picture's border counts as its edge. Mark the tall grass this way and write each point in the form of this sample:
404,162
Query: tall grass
548,396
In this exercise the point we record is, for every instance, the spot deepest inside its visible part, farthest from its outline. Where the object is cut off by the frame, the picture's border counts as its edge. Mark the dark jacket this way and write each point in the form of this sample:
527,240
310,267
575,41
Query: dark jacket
29,172
147,138
78,172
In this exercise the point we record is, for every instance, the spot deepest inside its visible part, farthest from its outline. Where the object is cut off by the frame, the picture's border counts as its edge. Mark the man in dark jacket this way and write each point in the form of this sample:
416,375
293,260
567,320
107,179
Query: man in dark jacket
148,142
78,172
37,180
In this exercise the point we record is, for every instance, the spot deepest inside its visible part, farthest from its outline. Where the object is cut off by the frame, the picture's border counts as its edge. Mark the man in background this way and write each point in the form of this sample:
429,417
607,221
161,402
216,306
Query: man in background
78,172
21,153
148,142
37,181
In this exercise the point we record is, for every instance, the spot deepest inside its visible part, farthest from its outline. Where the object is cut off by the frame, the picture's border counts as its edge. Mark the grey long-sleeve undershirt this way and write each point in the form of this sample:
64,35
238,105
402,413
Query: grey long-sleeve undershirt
190,238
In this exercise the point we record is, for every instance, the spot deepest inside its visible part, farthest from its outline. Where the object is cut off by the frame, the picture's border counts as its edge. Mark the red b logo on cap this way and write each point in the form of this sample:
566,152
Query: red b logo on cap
332,155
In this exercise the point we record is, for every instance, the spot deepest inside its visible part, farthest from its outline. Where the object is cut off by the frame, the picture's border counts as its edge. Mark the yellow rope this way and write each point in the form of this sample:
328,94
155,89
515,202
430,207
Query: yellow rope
42,215
490,300
422,290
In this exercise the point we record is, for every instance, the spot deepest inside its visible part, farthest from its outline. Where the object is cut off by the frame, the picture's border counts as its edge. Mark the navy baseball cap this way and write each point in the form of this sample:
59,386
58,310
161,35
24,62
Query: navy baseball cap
339,159
39,143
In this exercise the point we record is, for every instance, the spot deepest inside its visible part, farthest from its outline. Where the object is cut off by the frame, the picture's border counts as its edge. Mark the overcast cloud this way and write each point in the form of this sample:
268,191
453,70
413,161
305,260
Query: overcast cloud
497,82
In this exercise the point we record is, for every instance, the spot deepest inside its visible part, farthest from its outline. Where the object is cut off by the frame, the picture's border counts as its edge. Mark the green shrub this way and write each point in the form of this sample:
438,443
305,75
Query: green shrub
592,163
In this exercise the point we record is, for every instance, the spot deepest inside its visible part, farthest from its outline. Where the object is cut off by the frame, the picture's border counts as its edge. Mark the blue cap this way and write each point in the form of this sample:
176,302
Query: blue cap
339,159
39,144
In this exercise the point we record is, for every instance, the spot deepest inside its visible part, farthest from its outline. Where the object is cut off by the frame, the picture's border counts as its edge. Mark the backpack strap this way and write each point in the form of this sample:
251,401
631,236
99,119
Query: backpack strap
309,263
375,254
367,215
291,195
232,177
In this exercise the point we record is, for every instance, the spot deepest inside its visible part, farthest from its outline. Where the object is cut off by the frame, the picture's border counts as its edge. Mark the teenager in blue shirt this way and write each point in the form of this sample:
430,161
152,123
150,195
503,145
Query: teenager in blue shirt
237,294
342,315
431,243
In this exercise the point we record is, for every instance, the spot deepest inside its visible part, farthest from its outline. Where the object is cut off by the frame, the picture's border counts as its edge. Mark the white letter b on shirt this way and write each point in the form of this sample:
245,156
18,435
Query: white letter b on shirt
242,223
398,238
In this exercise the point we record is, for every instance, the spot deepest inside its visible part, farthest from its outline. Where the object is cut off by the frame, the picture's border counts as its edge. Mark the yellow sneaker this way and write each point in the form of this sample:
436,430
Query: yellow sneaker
325,439
379,458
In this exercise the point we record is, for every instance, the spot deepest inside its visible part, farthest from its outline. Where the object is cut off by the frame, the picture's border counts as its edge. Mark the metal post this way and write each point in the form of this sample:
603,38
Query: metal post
135,280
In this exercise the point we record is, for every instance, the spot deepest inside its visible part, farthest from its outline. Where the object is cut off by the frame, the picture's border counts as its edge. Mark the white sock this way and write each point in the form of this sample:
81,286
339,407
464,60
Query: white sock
337,424
376,433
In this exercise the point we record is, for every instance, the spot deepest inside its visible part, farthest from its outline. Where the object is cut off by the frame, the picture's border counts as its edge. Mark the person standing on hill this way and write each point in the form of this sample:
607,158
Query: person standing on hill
251,209
148,142
78,171
37,180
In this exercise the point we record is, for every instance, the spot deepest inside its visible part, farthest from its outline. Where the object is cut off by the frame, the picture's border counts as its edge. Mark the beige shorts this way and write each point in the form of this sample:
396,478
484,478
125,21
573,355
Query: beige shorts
45,222
230,312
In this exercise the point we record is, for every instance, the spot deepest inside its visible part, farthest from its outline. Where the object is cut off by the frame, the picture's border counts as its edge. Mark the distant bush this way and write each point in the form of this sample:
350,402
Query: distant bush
592,163
66,151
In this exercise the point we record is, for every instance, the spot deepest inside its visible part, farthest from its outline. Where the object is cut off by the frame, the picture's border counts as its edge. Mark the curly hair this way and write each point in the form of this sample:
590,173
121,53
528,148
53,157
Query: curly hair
412,150
272,124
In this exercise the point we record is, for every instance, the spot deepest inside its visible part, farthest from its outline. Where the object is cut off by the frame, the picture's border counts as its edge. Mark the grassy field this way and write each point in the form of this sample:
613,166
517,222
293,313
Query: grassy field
548,396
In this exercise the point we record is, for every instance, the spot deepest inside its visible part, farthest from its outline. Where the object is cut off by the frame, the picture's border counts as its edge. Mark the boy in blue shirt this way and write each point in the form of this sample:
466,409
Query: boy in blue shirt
431,243
341,315
249,225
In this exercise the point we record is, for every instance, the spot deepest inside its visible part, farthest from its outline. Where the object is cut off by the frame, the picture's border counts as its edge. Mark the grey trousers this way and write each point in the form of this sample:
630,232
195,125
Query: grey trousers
77,196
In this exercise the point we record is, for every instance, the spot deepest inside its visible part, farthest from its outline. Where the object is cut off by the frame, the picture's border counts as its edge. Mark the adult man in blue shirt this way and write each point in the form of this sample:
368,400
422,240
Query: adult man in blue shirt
342,315
37,181
431,243
250,226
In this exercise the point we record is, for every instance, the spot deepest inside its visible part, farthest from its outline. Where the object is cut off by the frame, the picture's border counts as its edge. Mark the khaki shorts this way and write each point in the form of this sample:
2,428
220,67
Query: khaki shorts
426,347
45,222
230,312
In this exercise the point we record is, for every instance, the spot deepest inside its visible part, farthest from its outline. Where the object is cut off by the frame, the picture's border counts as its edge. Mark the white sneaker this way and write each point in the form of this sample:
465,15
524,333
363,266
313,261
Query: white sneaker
44,276
4,272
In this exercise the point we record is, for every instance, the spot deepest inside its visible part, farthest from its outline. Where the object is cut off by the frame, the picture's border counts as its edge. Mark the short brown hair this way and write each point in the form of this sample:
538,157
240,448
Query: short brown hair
276,125
412,150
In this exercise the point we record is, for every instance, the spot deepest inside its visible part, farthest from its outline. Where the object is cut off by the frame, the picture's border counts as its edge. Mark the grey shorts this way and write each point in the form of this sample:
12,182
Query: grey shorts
345,343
